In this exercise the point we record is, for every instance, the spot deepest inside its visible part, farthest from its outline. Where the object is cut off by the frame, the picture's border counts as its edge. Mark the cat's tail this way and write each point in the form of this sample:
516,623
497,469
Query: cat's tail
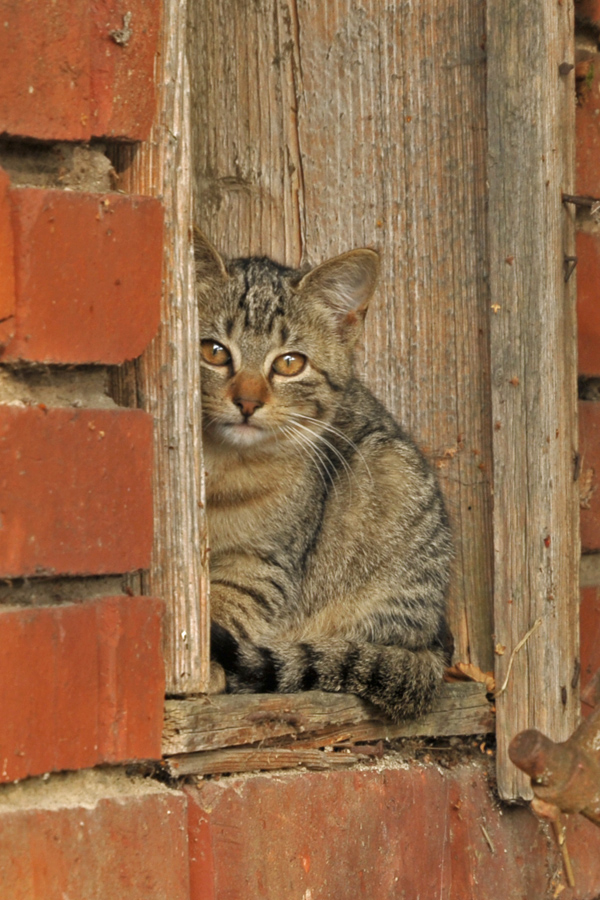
402,682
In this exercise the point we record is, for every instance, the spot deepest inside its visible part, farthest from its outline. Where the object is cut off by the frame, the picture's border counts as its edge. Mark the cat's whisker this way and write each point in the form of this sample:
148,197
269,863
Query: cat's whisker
339,434
351,475
318,458
295,439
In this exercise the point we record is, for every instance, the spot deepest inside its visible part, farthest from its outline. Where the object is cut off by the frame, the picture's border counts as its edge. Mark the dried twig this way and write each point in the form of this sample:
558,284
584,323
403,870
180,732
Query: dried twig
521,643
488,839
561,839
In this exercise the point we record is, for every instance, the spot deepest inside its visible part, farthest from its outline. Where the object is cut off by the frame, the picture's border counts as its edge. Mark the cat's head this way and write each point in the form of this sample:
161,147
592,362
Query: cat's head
276,344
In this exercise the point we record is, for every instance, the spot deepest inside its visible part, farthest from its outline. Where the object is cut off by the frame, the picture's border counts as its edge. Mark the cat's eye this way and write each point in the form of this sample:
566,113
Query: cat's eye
214,353
289,364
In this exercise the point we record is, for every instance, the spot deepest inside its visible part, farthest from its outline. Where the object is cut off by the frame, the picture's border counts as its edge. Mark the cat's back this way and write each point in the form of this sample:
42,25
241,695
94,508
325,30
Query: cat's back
383,528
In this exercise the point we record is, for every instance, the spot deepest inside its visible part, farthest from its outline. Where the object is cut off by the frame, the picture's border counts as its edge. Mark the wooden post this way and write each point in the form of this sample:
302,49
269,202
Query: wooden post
167,377
322,127
531,105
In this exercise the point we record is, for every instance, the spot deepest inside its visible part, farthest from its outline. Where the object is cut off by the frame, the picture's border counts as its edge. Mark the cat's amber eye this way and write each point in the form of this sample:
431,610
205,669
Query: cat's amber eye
214,353
289,364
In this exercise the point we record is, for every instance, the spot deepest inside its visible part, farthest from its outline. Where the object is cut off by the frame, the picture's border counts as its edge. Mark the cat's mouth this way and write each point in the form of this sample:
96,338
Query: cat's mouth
242,434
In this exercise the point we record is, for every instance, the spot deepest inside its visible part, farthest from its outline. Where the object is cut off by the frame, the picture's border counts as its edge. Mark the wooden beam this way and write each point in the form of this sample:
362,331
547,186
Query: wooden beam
313,719
530,106
166,380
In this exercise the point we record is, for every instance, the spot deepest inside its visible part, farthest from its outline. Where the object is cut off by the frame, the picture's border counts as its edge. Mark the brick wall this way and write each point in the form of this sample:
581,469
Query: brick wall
81,669
81,673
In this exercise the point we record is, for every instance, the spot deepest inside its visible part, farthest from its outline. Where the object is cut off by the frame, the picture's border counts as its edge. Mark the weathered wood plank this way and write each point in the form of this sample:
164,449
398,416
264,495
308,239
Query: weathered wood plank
312,719
318,128
166,380
255,759
531,134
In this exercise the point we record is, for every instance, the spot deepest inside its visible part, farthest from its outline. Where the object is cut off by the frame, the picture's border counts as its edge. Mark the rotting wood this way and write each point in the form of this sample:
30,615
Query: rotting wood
313,719
166,379
257,759
534,388
319,128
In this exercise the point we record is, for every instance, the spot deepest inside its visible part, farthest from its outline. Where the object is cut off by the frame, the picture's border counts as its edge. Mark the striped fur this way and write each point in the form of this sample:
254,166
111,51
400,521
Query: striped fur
330,544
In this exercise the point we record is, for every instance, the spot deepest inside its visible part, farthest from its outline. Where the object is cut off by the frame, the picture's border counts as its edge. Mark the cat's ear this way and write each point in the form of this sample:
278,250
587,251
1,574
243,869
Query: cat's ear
209,264
346,284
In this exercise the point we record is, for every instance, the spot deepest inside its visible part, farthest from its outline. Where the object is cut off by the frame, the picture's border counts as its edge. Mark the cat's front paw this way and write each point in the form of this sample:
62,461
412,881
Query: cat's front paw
218,680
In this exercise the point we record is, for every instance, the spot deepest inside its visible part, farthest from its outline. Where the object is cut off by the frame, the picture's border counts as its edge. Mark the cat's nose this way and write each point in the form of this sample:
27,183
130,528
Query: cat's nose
247,405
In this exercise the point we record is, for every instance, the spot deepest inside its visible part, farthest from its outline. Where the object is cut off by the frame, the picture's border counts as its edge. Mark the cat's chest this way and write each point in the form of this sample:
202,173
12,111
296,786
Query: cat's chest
246,502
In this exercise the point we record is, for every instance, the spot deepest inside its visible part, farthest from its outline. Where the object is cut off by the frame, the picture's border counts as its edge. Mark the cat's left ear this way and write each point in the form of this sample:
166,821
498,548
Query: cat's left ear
346,284
209,263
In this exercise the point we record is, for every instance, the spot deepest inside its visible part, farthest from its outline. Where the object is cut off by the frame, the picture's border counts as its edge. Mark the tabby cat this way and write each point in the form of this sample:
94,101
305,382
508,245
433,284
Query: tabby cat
330,545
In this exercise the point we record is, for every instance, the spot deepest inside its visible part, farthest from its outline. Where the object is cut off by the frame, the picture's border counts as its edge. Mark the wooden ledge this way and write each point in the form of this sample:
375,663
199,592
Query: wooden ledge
290,729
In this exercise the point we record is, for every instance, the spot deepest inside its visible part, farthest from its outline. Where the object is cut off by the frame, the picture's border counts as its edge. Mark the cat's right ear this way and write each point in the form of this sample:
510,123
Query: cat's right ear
209,264
346,284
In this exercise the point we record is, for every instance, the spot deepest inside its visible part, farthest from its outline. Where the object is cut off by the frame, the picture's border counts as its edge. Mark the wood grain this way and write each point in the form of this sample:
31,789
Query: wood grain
536,545
319,128
256,759
312,719
166,380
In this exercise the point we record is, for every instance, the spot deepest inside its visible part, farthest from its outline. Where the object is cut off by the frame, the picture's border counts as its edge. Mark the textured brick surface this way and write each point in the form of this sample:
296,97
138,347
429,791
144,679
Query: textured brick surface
45,71
80,684
88,275
589,448
123,73
588,305
414,832
127,843
588,132
590,635
7,275
64,77
75,491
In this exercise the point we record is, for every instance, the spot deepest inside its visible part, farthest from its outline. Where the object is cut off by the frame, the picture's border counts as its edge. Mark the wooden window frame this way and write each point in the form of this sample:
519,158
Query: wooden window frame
530,113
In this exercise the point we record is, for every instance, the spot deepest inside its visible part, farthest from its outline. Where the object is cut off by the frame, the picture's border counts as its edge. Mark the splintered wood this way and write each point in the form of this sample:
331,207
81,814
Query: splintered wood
534,385
212,734
166,379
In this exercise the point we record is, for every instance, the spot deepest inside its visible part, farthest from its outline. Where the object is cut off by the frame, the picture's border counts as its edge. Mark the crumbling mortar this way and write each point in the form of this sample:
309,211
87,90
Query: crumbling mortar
76,167
57,591
65,386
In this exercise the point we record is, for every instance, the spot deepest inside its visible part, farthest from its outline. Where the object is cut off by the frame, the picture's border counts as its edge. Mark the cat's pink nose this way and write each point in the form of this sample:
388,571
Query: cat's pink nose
247,405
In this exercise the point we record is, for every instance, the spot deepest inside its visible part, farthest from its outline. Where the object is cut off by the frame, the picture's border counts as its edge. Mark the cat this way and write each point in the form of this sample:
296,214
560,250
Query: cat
330,548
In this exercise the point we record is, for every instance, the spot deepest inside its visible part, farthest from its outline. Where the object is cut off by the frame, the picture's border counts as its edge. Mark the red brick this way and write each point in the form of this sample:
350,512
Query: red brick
588,132
82,840
80,684
88,276
588,305
589,448
63,76
588,11
7,278
589,619
45,71
75,491
123,96
400,832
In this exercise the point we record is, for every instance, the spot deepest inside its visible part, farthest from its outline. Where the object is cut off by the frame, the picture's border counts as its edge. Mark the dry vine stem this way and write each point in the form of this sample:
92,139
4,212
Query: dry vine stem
521,643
